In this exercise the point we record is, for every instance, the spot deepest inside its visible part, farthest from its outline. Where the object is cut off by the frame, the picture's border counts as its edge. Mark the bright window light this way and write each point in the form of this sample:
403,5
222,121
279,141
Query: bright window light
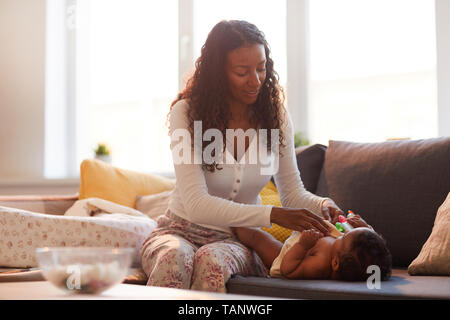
131,73
373,70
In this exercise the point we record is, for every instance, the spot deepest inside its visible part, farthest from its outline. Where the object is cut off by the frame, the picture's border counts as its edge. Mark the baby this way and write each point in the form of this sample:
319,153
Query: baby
311,255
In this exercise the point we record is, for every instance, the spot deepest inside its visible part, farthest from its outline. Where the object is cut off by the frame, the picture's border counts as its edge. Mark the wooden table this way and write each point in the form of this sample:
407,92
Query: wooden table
44,290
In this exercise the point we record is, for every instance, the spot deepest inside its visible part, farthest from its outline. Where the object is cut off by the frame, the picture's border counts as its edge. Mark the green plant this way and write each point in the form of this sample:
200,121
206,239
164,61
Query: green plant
102,150
300,139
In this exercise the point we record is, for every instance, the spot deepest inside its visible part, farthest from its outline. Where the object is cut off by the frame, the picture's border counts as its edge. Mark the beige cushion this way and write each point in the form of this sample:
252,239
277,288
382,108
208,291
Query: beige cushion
434,258
97,207
153,205
21,232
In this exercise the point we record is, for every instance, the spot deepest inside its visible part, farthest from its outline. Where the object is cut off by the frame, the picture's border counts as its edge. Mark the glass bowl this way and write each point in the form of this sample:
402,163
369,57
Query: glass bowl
84,269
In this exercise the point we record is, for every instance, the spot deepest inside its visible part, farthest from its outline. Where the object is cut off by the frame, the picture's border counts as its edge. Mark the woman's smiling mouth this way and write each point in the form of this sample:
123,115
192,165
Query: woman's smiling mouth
252,93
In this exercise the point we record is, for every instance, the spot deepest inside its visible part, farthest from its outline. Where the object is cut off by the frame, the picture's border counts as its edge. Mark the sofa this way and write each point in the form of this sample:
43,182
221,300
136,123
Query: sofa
396,186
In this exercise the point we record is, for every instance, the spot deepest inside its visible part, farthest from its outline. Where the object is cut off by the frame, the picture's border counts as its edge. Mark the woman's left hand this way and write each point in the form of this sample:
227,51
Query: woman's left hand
331,211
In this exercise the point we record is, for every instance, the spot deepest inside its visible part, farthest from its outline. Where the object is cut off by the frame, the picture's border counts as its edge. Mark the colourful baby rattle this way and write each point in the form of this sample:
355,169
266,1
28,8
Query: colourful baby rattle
340,227
343,225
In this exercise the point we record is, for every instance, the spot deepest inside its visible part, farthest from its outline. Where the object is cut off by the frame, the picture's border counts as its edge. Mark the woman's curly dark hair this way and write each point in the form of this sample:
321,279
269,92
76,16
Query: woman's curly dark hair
368,248
207,90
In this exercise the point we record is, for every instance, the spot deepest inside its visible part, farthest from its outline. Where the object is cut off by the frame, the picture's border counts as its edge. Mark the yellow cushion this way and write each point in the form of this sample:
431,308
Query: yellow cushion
269,196
102,180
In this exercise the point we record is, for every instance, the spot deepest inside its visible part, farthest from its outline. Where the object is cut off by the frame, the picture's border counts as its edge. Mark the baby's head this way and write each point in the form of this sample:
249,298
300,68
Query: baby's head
355,251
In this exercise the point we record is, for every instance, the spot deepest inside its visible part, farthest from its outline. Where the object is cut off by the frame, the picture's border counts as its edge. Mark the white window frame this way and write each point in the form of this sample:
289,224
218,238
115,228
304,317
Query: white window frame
298,63
185,39
60,89
442,8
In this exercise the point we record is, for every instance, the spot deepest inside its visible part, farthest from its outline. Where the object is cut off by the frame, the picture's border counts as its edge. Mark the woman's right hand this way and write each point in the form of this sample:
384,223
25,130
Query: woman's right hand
357,222
298,219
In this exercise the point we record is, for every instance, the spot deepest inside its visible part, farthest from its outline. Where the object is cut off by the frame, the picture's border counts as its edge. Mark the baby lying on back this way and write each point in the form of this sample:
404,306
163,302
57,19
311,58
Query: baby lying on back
312,255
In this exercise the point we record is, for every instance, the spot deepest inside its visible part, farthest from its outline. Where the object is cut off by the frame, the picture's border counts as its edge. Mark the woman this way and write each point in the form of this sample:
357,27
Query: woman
234,87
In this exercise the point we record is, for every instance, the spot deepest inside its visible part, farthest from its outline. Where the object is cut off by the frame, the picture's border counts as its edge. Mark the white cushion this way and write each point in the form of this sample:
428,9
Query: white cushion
94,207
153,205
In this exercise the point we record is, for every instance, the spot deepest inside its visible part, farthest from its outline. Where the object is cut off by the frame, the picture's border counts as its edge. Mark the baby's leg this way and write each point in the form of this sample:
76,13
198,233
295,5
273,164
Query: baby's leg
265,245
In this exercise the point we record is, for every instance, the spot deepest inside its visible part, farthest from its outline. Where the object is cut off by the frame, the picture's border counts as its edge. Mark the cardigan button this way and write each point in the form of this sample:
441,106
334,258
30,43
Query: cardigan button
238,180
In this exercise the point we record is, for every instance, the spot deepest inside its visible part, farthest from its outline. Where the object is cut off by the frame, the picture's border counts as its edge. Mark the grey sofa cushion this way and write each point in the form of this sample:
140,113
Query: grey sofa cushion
397,186
399,286
310,161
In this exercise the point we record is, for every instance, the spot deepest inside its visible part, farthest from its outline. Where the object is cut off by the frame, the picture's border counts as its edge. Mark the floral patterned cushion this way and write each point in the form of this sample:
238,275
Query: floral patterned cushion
21,232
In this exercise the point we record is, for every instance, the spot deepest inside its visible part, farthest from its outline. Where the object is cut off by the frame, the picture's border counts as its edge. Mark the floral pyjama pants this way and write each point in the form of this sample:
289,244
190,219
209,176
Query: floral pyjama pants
181,254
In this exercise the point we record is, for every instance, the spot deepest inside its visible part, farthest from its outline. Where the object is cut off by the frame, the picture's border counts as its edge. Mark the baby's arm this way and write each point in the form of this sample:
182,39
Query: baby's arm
265,245
298,264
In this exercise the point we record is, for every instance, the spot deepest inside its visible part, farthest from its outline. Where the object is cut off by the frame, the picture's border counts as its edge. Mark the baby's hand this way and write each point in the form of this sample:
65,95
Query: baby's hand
309,238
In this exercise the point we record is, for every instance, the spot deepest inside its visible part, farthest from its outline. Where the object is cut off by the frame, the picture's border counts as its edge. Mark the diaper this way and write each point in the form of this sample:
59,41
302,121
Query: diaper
295,236
275,268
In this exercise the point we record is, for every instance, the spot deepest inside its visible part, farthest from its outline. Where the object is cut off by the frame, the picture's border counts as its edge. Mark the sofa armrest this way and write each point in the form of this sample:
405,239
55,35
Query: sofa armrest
49,204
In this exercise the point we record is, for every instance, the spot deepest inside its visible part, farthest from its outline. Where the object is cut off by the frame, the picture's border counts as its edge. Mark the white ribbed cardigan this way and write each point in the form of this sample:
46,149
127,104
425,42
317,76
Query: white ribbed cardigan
230,197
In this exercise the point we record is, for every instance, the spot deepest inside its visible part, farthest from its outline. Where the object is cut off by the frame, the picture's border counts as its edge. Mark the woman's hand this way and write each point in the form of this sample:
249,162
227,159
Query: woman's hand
298,219
357,222
331,211
308,238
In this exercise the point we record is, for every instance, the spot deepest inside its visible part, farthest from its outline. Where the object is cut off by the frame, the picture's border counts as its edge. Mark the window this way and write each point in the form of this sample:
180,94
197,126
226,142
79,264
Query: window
127,78
373,70
127,71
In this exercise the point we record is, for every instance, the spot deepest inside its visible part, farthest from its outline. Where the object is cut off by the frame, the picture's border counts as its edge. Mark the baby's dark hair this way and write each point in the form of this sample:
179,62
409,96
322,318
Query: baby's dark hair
368,248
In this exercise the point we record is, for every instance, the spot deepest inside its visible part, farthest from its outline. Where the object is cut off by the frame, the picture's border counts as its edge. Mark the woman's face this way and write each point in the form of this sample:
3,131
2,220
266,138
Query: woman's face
246,73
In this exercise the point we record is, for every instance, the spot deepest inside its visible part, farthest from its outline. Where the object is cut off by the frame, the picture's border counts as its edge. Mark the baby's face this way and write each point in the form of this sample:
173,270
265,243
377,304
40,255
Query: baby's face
343,243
